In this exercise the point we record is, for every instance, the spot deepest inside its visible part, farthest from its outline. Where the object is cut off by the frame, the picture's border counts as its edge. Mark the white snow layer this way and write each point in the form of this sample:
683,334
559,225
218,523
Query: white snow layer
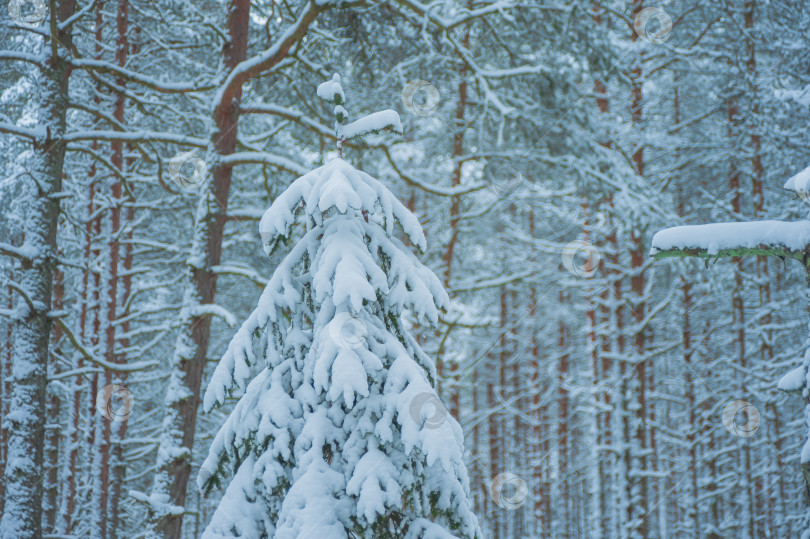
798,182
331,90
378,121
720,236
794,380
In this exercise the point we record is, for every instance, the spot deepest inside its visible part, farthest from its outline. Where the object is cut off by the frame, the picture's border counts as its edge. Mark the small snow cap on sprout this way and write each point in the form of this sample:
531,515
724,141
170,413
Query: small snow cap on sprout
331,91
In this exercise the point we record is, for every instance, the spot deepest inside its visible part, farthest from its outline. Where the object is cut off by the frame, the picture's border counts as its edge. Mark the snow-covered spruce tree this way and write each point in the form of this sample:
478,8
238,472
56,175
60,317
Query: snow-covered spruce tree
341,434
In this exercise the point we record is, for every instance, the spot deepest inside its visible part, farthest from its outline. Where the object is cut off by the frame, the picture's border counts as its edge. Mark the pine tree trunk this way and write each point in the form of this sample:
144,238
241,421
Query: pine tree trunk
745,501
101,496
27,415
455,210
173,466
5,387
563,475
595,429
70,473
116,462
538,449
493,436
52,431
639,487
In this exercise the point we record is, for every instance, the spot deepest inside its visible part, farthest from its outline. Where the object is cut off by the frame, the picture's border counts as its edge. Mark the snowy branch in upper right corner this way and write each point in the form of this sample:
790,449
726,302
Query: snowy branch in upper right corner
717,240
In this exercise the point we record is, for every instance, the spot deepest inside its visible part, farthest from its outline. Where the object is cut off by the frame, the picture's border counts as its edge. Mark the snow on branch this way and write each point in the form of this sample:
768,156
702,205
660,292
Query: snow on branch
331,91
149,82
717,240
23,253
374,123
265,60
11,129
461,17
21,57
112,367
263,158
288,114
794,381
156,503
211,309
136,136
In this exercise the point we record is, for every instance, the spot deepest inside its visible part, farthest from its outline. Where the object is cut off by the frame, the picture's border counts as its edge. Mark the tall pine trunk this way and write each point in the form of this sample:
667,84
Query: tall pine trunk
173,466
24,479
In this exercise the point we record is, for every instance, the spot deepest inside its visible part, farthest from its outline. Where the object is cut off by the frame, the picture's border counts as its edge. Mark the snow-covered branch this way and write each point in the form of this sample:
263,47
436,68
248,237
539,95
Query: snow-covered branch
21,57
149,82
434,189
288,114
10,128
264,61
136,136
211,309
89,356
17,252
428,12
263,158
718,240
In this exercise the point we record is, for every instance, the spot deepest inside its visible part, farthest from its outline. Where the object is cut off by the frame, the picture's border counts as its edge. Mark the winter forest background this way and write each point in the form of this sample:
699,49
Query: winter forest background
601,393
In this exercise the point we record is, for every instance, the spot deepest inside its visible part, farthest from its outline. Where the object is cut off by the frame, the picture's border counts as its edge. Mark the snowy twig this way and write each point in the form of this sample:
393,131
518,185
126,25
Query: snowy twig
434,189
493,283
264,61
137,136
149,82
89,8
21,131
263,158
113,367
428,13
16,252
21,57
23,294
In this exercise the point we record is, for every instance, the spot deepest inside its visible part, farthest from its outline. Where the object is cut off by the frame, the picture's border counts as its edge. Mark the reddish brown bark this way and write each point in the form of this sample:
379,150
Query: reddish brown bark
455,207
176,473
539,448
78,384
493,432
562,413
116,463
637,283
